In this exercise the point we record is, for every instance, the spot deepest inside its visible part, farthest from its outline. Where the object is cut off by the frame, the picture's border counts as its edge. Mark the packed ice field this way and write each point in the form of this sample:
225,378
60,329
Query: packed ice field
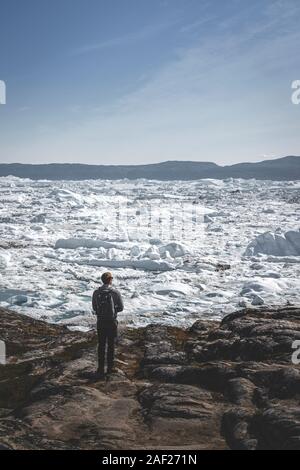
179,251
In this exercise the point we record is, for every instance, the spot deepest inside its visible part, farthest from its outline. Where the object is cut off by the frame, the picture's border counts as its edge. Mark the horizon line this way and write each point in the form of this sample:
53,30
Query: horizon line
148,164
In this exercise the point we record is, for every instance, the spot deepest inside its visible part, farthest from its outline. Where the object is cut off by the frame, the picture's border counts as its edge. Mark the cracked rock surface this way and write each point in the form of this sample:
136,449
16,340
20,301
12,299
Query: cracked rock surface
228,385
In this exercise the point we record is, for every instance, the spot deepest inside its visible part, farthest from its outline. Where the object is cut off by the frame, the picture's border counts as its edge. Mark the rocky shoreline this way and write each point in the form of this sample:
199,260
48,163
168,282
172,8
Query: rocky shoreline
228,385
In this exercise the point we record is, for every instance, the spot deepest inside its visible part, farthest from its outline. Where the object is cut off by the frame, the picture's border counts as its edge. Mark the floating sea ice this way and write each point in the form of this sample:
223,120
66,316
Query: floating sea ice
102,252
216,229
175,250
167,257
263,285
3,262
4,259
152,253
257,300
269,211
155,241
213,295
65,194
174,288
207,219
218,214
271,274
145,265
135,251
38,219
27,263
275,244
18,300
283,259
74,243
112,253
256,266
89,237
244,304
37,228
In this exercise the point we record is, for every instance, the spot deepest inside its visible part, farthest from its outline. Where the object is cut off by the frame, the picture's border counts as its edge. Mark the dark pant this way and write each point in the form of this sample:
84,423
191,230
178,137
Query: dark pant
106,340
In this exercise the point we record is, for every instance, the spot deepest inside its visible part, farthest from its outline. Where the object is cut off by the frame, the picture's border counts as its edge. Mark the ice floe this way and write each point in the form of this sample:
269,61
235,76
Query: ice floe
74,243
145,265
174,288
275,244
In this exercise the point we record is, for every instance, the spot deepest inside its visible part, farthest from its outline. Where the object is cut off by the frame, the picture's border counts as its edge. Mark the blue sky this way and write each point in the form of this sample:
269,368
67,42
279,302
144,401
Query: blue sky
138,81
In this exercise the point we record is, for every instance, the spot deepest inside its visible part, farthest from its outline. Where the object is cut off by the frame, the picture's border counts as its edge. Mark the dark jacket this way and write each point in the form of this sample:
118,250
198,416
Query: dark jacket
117,298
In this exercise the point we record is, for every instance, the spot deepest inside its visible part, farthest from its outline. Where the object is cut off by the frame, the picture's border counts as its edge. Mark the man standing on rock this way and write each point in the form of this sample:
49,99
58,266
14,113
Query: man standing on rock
107,303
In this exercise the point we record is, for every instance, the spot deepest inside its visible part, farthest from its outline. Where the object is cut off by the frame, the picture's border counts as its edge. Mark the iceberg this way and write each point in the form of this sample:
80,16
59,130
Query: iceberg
275,244
74,243
145,264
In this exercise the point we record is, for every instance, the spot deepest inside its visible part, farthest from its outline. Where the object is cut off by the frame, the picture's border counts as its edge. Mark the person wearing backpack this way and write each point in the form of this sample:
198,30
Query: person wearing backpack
107,303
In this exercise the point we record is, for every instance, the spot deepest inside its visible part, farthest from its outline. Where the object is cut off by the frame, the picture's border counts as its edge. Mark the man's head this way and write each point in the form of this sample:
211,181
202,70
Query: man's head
107,278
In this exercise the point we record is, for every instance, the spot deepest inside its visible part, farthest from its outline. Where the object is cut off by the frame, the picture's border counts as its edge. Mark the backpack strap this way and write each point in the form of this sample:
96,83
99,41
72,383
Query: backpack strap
97,300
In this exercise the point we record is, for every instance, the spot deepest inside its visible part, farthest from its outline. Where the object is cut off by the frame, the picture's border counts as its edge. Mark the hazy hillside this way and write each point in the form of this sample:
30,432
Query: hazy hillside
287,168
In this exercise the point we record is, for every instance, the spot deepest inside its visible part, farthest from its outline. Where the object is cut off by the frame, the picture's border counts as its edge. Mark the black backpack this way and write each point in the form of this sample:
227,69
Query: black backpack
105,305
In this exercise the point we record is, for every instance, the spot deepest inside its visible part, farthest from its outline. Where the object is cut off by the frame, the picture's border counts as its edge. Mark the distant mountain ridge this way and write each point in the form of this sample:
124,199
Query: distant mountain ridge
281,169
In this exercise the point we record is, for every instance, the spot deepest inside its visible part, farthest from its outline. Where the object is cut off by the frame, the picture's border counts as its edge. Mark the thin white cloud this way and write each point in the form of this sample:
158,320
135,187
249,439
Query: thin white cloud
130,38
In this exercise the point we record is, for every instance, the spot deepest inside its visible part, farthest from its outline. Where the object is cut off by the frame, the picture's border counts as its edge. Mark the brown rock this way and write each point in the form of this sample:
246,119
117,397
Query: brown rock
212,386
